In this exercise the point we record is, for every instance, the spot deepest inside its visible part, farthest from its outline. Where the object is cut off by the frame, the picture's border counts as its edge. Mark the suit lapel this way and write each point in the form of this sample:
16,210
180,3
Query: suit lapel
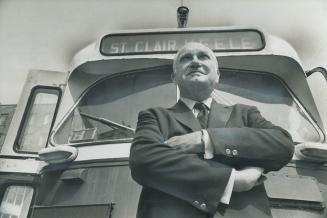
219,115
185,116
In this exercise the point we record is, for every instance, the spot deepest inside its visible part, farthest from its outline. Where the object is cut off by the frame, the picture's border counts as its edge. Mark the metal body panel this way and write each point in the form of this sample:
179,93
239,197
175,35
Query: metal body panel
74,211
107,151
295,188
103,184
6,114
110,182
30,166
274,46
305,169
13,178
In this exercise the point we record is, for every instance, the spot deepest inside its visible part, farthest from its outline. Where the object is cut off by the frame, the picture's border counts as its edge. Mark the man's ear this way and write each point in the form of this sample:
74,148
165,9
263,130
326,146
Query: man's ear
218,76
173,77
217,79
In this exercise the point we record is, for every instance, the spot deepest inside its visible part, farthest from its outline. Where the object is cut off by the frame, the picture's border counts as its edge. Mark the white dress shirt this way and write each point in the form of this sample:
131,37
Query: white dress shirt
208,148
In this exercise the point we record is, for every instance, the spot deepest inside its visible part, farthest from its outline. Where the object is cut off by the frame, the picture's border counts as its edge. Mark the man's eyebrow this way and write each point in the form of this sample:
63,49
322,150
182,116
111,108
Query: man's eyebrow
204,53
184,55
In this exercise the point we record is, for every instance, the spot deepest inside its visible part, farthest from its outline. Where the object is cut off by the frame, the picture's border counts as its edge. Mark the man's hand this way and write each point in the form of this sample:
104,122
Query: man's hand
189,143
247,178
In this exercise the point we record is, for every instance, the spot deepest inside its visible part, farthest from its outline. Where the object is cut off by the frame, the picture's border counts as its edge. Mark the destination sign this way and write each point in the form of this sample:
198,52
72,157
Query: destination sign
171,42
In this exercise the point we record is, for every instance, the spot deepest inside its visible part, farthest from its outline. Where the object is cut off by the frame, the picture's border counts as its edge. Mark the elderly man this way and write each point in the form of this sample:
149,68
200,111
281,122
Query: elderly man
200,158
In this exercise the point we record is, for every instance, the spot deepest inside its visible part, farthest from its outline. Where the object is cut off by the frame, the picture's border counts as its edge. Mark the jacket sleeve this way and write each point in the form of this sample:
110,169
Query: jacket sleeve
259,143
186,176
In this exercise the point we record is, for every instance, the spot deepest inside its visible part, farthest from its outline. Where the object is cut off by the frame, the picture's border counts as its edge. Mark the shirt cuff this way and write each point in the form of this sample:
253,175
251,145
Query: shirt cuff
208,154
225,199
208,148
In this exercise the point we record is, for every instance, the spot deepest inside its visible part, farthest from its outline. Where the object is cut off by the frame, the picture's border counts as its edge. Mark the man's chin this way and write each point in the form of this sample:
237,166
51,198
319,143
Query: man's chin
200,85
197,92
201,81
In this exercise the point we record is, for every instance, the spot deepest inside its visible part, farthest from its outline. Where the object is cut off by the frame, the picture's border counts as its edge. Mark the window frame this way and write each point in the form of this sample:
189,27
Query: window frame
319,71
30,102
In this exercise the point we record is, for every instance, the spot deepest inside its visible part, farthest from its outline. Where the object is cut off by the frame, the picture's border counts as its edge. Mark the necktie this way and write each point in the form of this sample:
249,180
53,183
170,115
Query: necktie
203,114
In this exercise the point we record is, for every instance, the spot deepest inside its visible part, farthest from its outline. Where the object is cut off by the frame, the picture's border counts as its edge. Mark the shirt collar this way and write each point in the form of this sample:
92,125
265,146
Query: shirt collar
190,103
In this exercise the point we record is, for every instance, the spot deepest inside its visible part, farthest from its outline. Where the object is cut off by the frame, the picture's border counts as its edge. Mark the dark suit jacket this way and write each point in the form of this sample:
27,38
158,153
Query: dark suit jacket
177,184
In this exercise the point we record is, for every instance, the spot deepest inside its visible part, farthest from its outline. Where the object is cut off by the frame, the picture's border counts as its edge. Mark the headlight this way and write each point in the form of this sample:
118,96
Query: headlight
311,151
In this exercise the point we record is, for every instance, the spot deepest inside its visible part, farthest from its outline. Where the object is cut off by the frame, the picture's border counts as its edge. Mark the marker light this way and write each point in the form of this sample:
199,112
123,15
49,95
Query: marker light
182,16
58,154
310,151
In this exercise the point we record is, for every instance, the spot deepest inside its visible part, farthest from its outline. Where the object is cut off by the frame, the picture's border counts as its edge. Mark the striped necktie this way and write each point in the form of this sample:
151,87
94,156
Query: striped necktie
203,114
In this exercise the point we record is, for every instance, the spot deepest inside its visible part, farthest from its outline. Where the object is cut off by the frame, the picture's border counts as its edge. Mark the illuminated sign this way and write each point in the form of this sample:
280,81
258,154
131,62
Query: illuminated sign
170,42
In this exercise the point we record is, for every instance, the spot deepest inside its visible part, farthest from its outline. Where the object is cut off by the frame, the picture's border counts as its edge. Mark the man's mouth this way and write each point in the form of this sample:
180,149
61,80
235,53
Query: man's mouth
194,72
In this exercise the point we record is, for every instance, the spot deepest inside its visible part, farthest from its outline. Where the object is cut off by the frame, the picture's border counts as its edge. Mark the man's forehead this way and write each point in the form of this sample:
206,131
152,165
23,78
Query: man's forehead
191,48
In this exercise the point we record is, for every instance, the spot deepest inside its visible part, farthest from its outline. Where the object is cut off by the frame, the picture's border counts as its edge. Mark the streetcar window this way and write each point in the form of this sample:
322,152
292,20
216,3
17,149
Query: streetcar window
271,97
38,119
16,201
108,111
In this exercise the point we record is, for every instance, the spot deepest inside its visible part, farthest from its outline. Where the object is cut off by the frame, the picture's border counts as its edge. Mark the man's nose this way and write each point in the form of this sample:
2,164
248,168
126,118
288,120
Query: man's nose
195,62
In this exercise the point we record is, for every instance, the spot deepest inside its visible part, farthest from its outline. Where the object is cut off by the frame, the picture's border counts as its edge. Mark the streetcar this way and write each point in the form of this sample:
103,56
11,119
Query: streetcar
66,145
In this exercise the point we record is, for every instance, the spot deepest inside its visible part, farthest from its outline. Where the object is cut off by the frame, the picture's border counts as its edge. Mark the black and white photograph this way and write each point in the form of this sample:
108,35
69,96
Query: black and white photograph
163,109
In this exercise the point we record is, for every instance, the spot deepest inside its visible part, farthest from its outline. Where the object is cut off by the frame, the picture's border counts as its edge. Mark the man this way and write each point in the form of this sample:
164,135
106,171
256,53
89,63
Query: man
200,158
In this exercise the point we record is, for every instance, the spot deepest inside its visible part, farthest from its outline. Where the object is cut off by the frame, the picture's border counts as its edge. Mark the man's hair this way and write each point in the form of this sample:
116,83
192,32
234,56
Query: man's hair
196,44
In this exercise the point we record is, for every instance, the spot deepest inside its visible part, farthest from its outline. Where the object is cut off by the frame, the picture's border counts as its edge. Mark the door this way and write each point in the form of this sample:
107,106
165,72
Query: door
27,133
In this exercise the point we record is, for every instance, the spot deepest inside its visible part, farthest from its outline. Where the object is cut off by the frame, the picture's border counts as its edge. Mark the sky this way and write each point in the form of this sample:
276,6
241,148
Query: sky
45,34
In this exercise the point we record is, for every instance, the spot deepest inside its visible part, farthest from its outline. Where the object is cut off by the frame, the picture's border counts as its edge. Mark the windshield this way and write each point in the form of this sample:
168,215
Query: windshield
271,97
108,111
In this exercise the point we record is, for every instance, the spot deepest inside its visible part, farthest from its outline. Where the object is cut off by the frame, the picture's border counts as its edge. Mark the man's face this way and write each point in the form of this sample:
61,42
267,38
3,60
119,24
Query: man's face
195,70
